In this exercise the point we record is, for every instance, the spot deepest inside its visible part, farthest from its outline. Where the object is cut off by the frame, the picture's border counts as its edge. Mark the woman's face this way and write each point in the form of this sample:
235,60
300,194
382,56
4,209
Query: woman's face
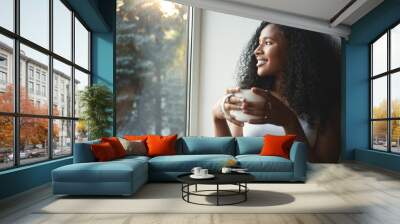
271,51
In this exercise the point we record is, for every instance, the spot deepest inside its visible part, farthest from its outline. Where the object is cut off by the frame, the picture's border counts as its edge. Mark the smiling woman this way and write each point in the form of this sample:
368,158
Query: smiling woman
297,73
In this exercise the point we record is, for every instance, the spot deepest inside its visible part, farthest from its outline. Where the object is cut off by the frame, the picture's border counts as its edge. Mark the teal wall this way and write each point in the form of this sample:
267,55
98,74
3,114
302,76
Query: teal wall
99,15
103,53
24,178
90,12
356,83
380,159
102,58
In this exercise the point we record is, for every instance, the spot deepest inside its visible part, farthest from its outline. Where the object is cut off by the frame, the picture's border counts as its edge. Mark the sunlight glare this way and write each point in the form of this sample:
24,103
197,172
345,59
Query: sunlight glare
168,8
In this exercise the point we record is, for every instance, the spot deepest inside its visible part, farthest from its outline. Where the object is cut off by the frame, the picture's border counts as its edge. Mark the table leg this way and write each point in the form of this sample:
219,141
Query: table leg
245,193
188,189
217,194
182,190
196,188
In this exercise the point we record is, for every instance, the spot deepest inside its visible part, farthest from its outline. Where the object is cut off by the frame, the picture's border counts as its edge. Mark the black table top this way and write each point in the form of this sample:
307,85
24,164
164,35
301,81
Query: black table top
220,178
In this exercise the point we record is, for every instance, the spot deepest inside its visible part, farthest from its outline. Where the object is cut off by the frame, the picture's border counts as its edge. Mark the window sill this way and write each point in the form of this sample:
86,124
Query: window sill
26,167
382,159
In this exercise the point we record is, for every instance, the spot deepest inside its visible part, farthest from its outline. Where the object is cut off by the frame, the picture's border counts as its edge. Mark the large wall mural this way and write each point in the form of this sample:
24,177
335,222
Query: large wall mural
288,82
151,67
294,73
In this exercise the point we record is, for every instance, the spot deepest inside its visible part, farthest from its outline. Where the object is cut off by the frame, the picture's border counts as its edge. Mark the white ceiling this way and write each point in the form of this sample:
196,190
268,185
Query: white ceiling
316,15
319,9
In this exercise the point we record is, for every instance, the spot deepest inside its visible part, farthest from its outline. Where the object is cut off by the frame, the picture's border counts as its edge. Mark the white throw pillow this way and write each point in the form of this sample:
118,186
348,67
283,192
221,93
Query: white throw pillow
137,147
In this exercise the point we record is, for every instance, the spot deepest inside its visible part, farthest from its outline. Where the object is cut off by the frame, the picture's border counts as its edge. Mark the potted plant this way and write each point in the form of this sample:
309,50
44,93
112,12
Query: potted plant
96,102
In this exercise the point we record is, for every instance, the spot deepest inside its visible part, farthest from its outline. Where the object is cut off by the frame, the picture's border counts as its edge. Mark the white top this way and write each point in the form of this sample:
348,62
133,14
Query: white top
259,130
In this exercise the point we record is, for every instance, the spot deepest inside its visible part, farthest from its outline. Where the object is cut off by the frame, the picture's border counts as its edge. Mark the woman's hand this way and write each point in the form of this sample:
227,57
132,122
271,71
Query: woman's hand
229,104
273,111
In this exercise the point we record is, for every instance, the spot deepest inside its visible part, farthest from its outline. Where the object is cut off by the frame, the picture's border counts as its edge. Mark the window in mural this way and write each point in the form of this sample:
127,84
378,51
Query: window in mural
152,39
385,94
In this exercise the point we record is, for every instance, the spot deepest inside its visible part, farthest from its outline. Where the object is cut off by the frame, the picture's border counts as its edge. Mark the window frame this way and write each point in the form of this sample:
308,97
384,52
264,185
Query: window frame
388,74
5,58
3,74
16,115
3,70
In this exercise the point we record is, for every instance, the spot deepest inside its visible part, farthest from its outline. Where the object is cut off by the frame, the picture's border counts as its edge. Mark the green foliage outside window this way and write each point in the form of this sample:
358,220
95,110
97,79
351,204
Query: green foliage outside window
97,104
380,128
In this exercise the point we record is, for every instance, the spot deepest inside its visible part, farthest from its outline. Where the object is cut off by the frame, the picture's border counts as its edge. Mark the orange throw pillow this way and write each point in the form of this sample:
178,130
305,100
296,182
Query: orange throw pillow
139,138
116,145
135,137
103,152
161,145
277,145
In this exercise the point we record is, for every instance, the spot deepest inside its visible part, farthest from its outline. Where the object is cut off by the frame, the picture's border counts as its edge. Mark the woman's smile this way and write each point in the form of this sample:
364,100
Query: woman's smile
261,62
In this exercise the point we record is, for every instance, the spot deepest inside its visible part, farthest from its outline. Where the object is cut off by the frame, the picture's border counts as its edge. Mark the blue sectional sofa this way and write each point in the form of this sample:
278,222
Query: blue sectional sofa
125,176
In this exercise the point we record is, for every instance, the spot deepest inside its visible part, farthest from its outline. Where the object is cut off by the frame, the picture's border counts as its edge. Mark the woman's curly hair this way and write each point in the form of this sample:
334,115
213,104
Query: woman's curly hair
311,76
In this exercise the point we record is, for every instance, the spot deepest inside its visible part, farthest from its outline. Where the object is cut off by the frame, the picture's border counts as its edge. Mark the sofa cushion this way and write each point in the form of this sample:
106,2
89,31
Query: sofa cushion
185,163
134,147
249,145
257,163
135,137
103,151
161,145
116,145
277,145
83,152
207,145
111,171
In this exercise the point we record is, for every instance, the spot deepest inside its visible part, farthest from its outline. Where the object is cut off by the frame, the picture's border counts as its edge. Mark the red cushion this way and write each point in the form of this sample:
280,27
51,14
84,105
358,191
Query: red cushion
277,145
161,145
135,137
116,145
103,151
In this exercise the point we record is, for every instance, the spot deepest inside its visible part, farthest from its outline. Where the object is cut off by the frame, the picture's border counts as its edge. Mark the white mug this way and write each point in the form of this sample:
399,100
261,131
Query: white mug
250,97
226,170
203,172
196,170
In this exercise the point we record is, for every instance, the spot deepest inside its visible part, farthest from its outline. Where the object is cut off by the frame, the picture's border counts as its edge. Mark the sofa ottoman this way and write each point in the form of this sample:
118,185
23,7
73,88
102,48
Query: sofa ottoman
88,177
118,177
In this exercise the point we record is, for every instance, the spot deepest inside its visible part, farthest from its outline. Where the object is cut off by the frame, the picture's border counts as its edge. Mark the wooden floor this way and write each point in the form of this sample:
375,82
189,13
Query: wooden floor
377,188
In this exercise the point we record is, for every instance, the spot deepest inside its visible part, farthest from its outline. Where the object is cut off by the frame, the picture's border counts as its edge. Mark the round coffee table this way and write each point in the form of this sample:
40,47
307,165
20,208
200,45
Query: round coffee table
238,179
